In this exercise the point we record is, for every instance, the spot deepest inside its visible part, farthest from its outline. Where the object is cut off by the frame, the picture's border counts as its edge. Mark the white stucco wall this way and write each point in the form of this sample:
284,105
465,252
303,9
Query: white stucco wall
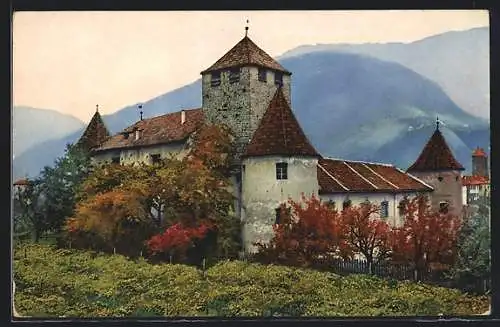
141,154
262,193
393,200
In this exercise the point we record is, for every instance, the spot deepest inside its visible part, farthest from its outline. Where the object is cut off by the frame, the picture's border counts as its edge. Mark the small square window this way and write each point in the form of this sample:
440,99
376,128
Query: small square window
281,170
262,75
234,75
384,209
115,160
443,207
331,204
155,158
440,178
215,79
278,78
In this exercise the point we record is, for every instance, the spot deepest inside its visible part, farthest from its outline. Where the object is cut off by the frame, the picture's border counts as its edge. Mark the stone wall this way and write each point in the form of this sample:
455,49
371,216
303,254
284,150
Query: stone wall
447,187
263,193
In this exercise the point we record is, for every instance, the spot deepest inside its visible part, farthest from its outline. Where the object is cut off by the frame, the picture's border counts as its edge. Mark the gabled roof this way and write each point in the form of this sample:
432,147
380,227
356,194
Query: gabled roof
246,53
95,133
22,182
436,156
479,152
343,176
157,130
475,180
279,132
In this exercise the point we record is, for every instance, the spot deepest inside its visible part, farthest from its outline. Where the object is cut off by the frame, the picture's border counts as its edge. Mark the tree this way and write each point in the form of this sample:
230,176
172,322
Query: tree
472,264
367,233
28,218
426,238
310,231
60,186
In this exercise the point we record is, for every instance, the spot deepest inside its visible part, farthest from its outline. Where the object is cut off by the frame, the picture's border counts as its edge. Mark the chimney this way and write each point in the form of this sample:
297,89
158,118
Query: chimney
183,117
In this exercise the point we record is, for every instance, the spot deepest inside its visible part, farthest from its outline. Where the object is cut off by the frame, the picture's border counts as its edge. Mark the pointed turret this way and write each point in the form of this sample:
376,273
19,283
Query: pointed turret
95,133
279,132
246,53
436,155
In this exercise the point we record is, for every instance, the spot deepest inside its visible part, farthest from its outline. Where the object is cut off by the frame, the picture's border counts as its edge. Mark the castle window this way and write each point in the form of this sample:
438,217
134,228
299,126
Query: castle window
280,213
443,207
215,79
456,178
440,178
402,207
346,204
281,170
115,160
155,158
262,75
384,209
234,75
277,219
331,204
278,78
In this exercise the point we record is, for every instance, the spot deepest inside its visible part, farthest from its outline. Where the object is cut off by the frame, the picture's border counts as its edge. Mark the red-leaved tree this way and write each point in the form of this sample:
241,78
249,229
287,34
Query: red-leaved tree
177,239
427,238
308,232
367,234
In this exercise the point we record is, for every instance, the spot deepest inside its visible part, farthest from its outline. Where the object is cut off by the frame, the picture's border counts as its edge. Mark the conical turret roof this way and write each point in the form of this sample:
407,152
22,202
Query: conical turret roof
95,133
279,132
436,156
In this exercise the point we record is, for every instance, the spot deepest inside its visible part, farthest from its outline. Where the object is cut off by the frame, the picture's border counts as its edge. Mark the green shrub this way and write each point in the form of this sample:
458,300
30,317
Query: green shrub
60,282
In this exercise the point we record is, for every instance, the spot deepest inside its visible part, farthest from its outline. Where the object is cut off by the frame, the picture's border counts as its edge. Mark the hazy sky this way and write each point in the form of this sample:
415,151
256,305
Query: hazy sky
71,61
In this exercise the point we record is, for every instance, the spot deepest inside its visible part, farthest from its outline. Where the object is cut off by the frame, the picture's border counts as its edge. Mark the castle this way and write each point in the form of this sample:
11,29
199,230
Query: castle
249,91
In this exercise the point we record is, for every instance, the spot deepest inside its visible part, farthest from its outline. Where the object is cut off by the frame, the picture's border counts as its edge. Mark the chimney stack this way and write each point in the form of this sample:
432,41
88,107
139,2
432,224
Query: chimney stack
183,117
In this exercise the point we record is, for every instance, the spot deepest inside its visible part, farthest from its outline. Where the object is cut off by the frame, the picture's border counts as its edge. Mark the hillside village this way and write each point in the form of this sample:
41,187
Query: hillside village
249,91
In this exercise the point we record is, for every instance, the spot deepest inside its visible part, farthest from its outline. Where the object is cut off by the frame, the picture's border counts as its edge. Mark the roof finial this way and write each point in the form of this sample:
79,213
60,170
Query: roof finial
140,108
96,108
246,28
437,122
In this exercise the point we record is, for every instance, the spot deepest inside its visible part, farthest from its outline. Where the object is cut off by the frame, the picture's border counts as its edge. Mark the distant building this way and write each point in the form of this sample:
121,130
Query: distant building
478,184
249,91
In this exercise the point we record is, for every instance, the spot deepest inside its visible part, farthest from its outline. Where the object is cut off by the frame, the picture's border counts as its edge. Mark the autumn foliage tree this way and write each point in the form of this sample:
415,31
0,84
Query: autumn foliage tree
427,238
310,231
366,232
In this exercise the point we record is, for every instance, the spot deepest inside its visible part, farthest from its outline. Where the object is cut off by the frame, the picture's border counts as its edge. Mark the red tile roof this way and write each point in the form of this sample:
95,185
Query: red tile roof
475,180
436,156
22,182
246,53
279,132
157,130
342,176
95,133
479,152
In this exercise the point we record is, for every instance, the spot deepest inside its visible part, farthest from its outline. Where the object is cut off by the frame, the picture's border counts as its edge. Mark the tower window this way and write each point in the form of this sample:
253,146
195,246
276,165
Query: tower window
234,75
384,209
443,207
215,79
278,78
281,170
262,75
155,158
115,160
346,204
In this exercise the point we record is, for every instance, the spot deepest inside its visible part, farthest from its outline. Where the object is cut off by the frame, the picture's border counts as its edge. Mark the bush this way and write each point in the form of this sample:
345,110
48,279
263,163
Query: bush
88,284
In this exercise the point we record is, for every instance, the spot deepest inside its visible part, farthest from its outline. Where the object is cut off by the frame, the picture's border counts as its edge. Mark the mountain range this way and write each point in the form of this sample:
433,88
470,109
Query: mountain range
352,106
458,61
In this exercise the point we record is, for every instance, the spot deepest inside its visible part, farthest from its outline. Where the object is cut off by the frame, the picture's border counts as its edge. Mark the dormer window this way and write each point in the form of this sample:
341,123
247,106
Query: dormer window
281,170
234,75
125,135
262,75
278,78
215,79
